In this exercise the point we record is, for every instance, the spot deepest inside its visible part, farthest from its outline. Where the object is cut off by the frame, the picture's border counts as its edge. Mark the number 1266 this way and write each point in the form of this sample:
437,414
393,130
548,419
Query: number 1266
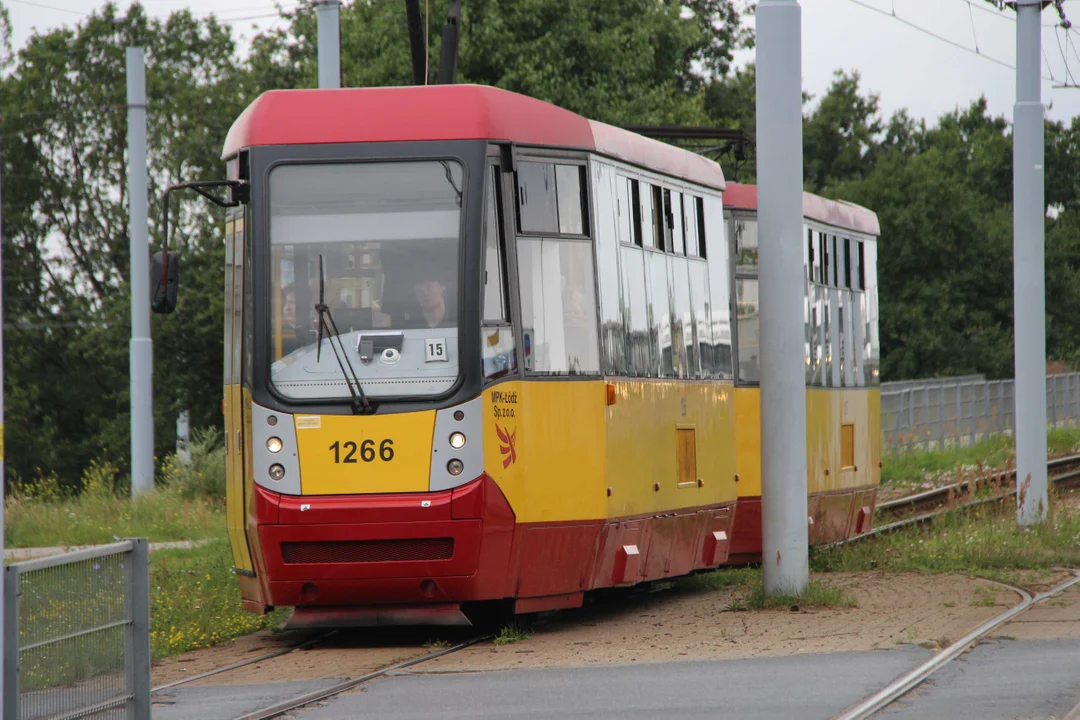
345,452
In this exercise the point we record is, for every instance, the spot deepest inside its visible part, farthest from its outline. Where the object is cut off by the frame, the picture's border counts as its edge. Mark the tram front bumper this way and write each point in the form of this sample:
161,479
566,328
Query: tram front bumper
449,546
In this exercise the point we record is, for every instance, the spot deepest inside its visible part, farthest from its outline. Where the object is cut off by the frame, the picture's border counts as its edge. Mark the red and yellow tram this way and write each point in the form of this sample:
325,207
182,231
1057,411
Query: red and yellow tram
481,349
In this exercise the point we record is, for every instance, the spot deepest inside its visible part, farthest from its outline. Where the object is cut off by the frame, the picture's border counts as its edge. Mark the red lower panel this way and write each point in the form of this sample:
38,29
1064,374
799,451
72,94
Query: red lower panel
831,516
746,535
393,550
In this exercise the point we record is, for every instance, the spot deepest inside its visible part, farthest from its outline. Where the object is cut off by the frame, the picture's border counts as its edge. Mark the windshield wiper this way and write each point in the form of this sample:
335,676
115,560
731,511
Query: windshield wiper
360,404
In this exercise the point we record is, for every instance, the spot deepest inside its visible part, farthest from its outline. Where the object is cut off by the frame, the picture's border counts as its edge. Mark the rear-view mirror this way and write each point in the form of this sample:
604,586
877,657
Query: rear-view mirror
164,282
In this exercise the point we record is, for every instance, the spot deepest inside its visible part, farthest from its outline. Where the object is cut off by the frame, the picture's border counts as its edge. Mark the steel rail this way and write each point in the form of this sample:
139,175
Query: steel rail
280,708
251,661
1062,481
942,493
913,678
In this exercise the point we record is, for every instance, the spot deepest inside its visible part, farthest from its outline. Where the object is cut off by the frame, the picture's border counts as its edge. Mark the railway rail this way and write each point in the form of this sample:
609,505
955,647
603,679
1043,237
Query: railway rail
915,677
924,506
301,700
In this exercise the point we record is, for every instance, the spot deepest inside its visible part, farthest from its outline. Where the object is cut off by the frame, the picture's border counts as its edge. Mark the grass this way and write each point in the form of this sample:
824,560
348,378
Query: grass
913,467
195,600
188,505
985,541
751,591
512,634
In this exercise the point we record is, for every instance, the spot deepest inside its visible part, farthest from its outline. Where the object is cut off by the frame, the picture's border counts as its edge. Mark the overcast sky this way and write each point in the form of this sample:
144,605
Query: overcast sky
907,67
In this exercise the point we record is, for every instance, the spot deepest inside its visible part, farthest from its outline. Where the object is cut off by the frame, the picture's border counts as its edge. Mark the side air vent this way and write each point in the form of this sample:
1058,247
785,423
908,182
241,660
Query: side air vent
367,551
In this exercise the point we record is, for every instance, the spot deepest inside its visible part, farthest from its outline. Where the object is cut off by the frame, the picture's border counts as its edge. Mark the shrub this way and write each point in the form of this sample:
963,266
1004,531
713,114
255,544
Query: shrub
204,476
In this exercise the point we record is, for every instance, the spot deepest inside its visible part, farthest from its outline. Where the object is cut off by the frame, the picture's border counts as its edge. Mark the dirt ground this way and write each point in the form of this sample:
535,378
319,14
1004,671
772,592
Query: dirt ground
892,609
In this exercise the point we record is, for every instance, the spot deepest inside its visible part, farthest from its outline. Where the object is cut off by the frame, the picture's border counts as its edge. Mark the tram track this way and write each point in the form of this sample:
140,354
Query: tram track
907,682
922,507
299,701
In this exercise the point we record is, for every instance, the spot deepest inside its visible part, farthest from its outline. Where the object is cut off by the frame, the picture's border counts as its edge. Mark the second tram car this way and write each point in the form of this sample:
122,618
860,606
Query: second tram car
479,349
843,415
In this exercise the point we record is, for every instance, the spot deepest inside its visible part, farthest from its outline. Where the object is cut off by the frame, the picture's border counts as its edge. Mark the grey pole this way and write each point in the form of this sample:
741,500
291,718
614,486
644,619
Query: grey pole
784,531
329,44
3,625
142,350
1029,283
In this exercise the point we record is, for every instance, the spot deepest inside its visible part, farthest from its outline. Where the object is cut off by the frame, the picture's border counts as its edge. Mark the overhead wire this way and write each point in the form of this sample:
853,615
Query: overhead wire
936,36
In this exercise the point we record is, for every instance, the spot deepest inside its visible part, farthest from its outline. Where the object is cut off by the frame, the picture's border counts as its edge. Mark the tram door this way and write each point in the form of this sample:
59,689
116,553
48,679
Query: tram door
233,402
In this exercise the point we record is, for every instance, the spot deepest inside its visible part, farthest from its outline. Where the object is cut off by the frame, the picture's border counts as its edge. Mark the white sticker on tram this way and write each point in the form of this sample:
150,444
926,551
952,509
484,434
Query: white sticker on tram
435,350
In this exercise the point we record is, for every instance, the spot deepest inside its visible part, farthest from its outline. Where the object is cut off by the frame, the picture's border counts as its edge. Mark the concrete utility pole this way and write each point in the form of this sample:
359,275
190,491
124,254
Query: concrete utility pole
784,525
329,44
142,348
2,476
1029,281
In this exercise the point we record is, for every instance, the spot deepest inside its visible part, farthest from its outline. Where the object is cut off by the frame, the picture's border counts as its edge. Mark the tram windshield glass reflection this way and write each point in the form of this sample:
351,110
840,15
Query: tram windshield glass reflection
387,237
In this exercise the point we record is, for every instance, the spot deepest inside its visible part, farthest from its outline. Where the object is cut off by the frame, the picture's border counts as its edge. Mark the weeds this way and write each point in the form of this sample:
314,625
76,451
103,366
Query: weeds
922,469
816,594
984,541
718,579
186,506
436,645
195,600
512,634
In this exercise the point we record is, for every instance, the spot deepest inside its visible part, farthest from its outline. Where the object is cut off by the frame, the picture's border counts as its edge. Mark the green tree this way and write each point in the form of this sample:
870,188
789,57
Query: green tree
66,232
621,61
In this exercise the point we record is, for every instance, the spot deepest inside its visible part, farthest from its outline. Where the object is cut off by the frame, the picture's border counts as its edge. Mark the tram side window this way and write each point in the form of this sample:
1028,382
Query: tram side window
811,272
746,245
749,353
635,303
846,261
823,259
644,225
659,219
551,198
537,207
558,307
625,211
497,344
690,223
675,222
860,275
494,293
568,184
699,203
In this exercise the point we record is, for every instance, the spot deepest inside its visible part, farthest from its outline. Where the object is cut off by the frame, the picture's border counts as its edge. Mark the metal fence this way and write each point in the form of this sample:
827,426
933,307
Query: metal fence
953,411
77,635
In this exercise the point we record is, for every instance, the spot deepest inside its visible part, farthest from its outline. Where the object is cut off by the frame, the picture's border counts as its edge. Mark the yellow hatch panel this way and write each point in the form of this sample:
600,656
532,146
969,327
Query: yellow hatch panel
341,454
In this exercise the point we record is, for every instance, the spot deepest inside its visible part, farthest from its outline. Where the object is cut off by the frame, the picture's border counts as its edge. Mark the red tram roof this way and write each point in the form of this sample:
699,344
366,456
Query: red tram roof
449,112
839,213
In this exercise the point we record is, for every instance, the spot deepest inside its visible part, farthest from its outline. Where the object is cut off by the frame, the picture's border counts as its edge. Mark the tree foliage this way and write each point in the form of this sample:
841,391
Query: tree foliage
942,189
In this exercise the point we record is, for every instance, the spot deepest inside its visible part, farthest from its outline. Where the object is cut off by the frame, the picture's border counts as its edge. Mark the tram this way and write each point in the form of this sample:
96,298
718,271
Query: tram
480,352
842,353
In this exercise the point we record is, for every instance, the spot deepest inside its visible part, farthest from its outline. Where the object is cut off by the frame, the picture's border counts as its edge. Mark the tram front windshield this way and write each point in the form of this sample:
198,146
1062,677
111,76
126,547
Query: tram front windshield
379,242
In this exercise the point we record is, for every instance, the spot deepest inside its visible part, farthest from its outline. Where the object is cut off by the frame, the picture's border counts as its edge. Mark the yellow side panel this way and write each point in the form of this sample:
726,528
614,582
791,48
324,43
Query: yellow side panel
642,445
748,440
544,445
828,411
234,481
341,454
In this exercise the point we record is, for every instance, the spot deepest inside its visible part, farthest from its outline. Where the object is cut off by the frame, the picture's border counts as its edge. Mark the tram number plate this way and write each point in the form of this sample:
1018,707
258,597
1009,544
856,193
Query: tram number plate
435,350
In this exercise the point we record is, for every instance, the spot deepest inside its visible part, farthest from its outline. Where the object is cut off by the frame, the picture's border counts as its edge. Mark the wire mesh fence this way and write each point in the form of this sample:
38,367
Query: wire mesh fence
77,635
962,411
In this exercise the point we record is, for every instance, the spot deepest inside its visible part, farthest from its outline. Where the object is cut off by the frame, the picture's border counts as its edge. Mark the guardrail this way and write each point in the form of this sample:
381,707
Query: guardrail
77,634
962,411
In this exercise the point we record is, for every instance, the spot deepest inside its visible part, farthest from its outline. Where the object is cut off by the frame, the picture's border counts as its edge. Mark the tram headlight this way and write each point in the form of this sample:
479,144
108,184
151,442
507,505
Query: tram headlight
274,445
276,472
457,440
455,467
